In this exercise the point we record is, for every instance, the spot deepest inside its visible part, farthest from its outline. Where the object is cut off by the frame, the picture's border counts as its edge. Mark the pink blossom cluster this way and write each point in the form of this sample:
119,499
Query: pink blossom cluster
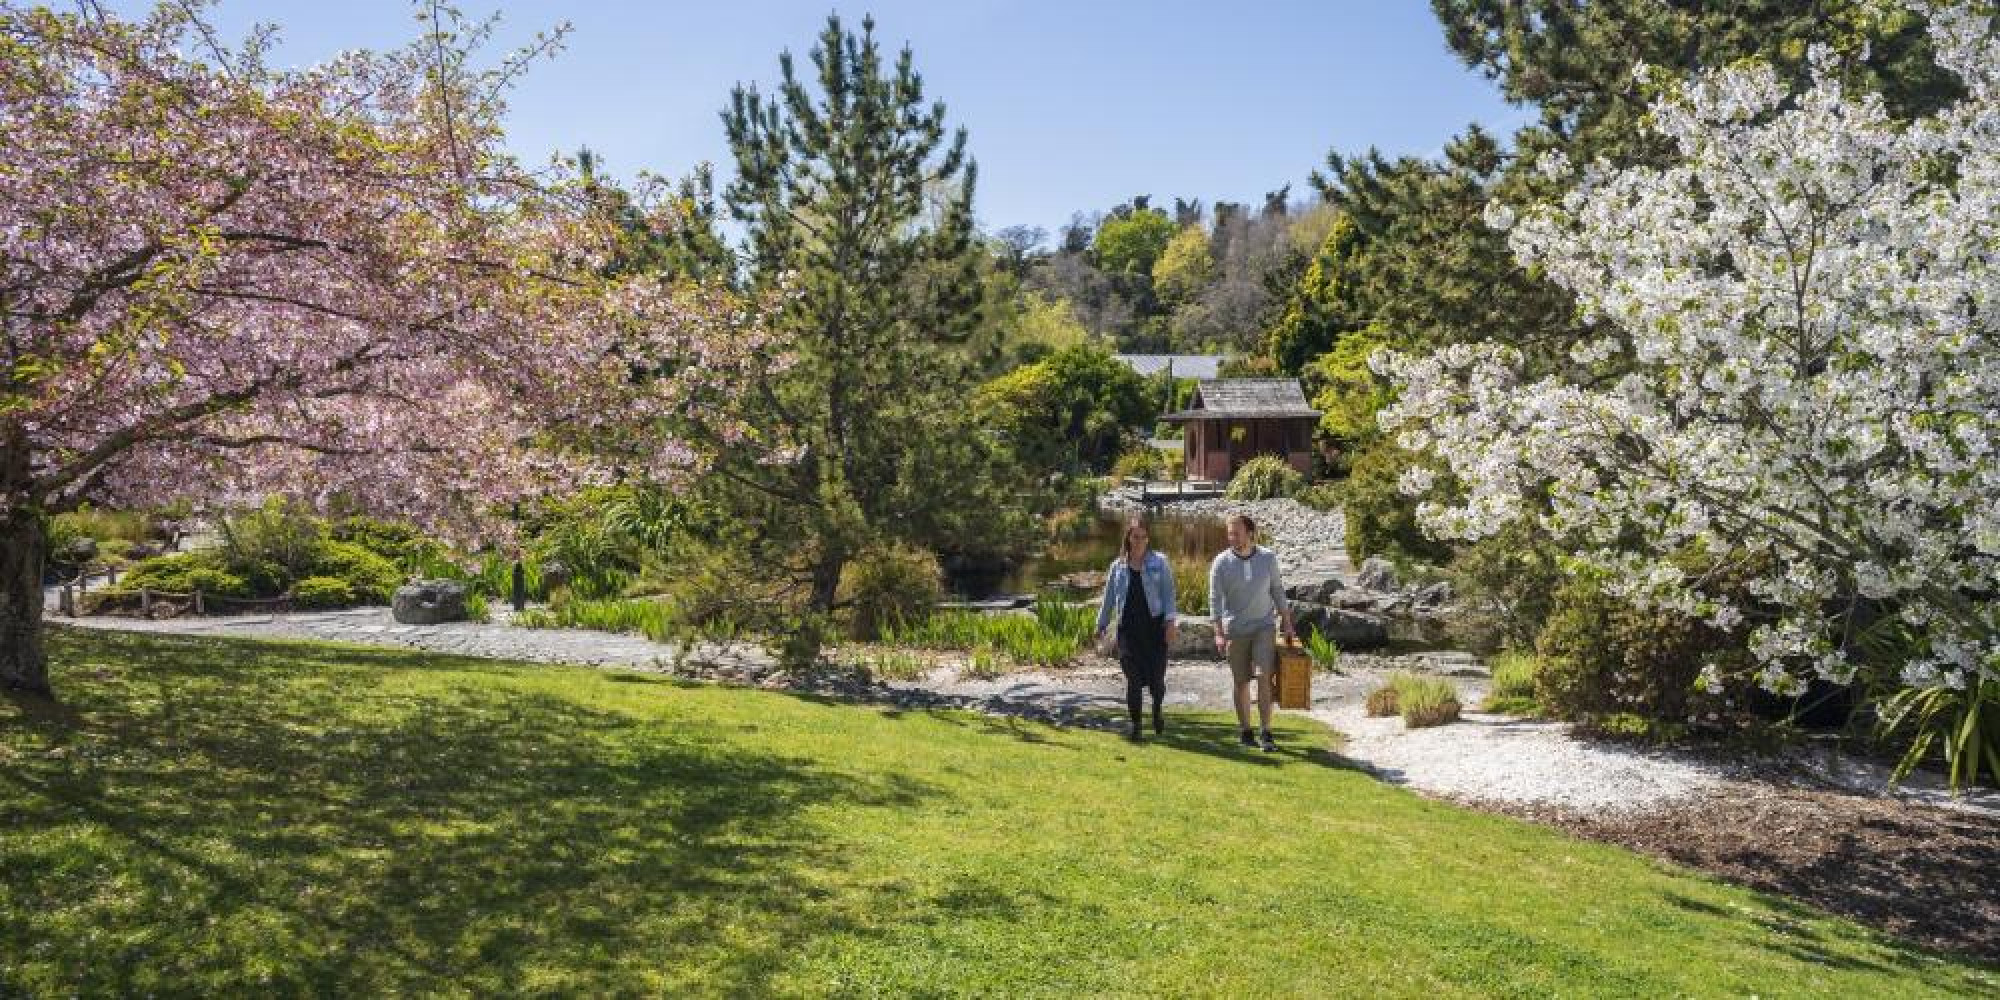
221,280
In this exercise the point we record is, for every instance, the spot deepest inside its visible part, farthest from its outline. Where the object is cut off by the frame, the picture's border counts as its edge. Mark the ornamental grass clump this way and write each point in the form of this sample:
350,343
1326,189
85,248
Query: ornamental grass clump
1383,700
1427,701
1050,637
1421,701
1265,477
651,618
1513,689
1190,583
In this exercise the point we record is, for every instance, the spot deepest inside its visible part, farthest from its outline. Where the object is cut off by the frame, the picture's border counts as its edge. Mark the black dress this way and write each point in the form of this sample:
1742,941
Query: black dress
1142,649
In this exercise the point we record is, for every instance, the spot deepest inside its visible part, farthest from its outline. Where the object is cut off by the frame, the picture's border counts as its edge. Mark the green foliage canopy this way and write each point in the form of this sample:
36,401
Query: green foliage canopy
1133,242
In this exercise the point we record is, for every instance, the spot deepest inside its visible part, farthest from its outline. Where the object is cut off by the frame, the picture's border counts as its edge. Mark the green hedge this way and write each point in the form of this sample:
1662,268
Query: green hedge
185,573
322,592
365,577
373,578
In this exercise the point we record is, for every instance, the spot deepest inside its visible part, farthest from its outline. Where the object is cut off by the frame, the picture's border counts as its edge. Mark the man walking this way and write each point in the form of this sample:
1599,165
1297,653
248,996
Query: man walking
1246,599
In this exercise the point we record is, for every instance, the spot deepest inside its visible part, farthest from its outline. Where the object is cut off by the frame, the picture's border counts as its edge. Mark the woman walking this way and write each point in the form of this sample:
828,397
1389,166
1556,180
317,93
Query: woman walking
1139,598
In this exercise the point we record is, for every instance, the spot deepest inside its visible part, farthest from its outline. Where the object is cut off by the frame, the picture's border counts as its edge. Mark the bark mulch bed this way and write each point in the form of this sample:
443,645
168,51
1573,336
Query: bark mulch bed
1925,874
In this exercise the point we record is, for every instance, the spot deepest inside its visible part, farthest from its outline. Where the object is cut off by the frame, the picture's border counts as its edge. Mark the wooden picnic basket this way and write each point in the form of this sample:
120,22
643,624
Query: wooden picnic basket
1295,673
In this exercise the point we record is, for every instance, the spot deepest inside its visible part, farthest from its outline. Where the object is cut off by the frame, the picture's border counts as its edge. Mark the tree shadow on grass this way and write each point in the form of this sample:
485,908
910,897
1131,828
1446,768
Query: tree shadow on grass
1206,733
1789,928
280,821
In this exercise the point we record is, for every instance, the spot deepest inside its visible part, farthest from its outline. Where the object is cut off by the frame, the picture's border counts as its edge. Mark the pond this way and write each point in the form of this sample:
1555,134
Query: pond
1090,547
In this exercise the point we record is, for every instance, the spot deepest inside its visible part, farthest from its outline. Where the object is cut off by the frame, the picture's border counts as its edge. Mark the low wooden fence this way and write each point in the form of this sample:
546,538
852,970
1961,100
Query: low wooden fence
74,599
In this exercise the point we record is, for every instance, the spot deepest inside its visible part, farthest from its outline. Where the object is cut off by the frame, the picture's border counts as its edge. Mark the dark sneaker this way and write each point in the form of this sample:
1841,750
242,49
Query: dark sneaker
1133,733
1249,740
1267,744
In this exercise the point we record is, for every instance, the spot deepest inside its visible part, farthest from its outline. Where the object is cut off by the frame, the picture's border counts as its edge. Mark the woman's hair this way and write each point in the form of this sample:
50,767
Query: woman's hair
1125,543
1249,526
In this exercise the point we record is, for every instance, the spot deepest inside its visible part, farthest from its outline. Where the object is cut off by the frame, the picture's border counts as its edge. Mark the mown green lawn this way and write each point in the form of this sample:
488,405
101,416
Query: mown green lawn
204,818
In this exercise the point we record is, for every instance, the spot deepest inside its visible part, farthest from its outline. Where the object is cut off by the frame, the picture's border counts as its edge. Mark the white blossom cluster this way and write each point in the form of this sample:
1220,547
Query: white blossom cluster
1802,322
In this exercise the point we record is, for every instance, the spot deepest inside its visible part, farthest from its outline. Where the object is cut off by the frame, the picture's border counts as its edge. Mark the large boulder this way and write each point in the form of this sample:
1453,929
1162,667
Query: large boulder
1315,591
1436,595
1376,573
77,551
1355,599
429,602
1348,629
1309,617
555,573
1355,629
1197,640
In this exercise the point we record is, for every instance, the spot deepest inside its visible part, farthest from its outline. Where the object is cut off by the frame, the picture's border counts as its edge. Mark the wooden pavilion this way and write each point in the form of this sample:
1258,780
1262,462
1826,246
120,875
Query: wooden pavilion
1230,421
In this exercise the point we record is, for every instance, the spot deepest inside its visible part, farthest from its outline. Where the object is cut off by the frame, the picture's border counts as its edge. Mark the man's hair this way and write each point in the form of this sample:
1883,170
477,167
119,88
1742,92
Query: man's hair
1244,520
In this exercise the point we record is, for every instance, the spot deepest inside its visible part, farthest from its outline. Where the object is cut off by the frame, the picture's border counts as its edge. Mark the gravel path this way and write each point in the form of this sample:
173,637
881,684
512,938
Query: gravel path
496,640
1498,758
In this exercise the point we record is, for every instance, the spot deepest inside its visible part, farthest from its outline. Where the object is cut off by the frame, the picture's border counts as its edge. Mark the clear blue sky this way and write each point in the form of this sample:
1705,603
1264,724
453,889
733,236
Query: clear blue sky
1071,106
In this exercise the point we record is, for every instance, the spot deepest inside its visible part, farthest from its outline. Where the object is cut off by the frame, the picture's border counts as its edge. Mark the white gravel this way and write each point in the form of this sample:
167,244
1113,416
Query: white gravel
1497,758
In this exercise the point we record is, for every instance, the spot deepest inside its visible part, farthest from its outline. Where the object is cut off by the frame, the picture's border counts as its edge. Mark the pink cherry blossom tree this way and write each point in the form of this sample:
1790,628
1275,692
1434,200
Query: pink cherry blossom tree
221,280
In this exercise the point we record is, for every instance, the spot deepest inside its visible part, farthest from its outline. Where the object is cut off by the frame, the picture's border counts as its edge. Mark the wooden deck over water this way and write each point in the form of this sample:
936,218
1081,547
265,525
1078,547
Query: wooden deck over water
1169,490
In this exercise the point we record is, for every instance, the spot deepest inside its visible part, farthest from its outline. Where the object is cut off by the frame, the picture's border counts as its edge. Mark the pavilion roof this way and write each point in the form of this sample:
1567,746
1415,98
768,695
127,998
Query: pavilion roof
1238,398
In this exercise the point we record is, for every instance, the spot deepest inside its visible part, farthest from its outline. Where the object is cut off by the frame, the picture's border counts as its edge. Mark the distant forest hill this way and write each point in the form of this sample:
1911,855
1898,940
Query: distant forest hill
1182,279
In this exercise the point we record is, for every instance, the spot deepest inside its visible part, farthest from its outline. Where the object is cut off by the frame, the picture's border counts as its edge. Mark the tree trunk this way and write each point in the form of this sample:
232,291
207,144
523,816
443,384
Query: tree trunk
826,581
23,543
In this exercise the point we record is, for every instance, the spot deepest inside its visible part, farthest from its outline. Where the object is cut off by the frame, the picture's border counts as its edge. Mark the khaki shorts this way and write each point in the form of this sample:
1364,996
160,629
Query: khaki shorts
1253,655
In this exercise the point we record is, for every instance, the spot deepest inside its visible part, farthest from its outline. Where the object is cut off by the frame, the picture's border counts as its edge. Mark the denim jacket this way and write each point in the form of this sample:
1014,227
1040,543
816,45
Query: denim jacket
1156,576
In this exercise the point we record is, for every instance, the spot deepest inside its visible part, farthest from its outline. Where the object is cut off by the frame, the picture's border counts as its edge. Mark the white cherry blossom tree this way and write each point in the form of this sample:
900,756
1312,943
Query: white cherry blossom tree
1802,326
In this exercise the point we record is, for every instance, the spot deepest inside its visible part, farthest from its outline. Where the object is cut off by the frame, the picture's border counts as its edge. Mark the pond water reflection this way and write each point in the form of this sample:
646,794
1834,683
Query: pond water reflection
1091,547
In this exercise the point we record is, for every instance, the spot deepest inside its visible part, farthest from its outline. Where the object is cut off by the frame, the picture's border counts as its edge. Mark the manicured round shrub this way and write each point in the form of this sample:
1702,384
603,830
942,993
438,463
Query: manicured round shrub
887,584
185,573
395,541
215,583
322,592
372,578
1265,477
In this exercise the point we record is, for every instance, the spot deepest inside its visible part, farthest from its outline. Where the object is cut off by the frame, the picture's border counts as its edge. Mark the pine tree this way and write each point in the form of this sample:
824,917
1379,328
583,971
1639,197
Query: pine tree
857,203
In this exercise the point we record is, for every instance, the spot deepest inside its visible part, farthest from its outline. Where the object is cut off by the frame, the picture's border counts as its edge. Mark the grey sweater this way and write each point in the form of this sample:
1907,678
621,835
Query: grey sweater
1244,595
